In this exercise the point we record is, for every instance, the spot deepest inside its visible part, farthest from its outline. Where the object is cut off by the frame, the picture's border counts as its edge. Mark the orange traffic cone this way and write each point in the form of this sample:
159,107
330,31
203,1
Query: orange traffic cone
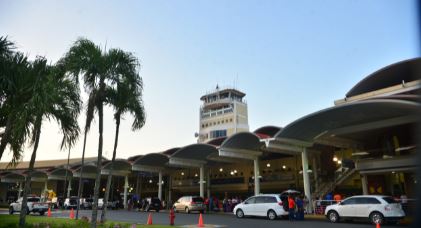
72,214
200,221
149,219
49,212
377,225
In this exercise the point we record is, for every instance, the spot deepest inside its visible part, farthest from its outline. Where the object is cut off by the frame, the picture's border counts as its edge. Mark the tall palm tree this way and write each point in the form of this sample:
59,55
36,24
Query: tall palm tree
99,69
14,93
55,96
125,97
89,117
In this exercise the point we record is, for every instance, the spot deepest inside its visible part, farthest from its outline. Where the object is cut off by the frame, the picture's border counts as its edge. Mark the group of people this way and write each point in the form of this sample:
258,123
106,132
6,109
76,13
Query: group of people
296,207
228,204
212,203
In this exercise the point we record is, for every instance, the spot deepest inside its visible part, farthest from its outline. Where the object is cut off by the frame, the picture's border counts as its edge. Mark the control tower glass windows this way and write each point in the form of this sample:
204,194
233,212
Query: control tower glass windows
218,133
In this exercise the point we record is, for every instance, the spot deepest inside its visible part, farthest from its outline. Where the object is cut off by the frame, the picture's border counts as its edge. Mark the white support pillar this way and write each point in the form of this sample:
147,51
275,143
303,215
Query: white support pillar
208,183
126,186
256,177
202,181
364,184
69,188
20,189
44,192
307,192
315,172
169,203
160,185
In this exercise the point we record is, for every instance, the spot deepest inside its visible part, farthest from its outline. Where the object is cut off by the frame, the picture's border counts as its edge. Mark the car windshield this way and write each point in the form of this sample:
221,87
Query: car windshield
33,199
197,199
389,200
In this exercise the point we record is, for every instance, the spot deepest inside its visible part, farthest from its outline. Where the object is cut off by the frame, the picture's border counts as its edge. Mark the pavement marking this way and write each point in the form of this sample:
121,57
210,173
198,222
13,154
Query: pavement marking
206,225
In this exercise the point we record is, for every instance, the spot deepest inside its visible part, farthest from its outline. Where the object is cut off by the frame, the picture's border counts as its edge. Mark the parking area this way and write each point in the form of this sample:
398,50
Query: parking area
217,219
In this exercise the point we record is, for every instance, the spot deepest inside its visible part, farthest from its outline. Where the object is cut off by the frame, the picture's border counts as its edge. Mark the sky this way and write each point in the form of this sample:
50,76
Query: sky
291,58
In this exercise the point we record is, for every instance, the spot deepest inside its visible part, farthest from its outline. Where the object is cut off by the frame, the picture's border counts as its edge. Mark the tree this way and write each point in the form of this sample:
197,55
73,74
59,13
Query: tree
89,117
99,70
125,97
55,96
15,90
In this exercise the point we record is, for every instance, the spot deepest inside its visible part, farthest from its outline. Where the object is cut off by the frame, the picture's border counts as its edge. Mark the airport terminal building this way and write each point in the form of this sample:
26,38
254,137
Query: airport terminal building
364,144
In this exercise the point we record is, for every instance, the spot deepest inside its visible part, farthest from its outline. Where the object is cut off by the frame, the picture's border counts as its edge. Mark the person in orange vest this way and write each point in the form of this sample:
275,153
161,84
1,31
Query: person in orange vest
291,208
337,197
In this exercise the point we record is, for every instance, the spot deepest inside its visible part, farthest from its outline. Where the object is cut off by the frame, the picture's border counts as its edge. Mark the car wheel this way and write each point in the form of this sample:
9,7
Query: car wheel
376,218
11,210
41,213
202,211
157,210
333,216
239,213
187,210
27,211
271,215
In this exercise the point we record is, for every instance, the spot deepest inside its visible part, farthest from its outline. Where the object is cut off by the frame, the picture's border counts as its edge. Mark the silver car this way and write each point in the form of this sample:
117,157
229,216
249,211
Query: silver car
190,203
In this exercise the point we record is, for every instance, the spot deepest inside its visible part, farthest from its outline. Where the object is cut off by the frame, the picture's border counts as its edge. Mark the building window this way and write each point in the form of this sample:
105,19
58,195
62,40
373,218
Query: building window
218,133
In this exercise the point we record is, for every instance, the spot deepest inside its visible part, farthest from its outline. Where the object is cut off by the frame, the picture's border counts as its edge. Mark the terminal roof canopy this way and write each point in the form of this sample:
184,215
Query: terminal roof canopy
196,151
394,74
59,173
153,159
243,141
11,177
267,131
356,116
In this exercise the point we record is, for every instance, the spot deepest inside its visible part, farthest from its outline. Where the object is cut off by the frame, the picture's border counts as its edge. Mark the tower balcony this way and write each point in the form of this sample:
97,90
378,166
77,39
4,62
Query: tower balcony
212,113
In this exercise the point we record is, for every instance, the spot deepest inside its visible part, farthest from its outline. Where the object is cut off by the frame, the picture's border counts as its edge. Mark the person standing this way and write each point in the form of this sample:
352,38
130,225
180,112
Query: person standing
337,197
300,208
291,208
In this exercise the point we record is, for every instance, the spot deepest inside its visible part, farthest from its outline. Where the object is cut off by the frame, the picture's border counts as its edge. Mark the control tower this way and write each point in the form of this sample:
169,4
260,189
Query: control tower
223,113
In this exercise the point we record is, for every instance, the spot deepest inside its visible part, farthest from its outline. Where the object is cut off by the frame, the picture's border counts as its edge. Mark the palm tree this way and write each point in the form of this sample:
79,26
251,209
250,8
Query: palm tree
99,70
54,96
126,97
14,93
89,117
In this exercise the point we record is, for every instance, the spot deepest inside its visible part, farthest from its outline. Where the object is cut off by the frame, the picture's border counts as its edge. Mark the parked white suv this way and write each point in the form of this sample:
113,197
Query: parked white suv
34,205
264,205
376,208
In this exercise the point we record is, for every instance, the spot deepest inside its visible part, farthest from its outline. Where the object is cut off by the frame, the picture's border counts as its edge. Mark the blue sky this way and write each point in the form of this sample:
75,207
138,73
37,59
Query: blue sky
291,58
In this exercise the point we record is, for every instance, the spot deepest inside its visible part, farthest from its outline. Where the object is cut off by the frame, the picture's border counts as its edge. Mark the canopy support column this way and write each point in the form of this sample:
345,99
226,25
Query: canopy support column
160,185
306,177
202,181
208,183
169,203
126,186
69,188
364,184
256,177
44,191
316,174
20,190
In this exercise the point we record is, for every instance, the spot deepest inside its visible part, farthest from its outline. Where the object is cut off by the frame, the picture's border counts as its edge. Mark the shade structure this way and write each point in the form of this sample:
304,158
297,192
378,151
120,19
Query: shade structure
121,168
347,118
394,74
